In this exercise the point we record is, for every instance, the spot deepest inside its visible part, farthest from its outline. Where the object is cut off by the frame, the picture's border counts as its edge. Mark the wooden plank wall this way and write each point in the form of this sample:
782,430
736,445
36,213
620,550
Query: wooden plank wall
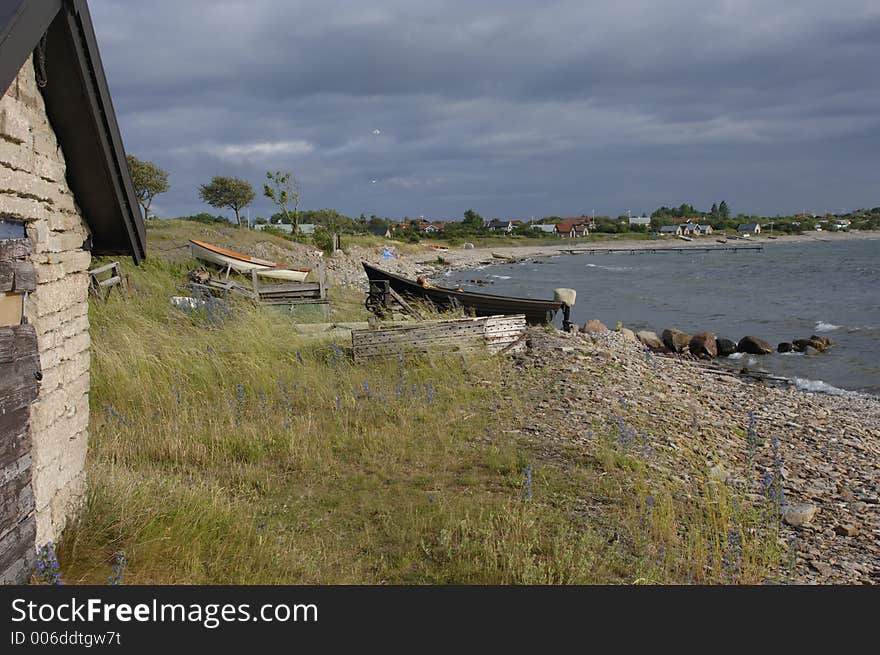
495,333
19,385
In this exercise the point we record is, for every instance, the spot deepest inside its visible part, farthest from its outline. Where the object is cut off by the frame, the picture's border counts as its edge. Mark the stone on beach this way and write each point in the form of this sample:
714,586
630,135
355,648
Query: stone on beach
725,346
651,340
704,345
629,334
784,347
675,340
593,327
799,515
754,346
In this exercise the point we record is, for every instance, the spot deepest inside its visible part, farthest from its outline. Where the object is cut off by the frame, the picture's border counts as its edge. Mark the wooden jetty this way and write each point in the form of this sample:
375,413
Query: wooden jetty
634,251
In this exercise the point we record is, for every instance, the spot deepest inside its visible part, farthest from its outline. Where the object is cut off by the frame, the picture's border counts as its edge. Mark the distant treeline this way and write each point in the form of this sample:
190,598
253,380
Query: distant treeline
474,225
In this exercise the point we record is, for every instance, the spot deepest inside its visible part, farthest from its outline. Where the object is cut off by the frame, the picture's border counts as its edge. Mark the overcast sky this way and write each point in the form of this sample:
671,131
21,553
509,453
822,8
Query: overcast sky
512,108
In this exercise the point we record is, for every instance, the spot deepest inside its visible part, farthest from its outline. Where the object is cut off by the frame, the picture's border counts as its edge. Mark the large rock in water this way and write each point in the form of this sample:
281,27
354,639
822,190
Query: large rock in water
675,340
651,340
784,347
754,346
725,347
704,345
593,327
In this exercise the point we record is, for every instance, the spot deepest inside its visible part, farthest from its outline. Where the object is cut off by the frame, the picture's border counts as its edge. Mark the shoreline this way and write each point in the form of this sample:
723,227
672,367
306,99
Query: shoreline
462,259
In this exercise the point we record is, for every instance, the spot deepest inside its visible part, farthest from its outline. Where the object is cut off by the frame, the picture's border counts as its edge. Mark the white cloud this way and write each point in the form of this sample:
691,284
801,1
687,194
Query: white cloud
237,151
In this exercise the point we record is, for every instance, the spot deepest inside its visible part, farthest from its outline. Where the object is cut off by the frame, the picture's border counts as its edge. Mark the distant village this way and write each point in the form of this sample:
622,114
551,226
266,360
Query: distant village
663,222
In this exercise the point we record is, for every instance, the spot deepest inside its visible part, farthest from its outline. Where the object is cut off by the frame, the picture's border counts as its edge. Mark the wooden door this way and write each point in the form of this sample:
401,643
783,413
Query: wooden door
20,377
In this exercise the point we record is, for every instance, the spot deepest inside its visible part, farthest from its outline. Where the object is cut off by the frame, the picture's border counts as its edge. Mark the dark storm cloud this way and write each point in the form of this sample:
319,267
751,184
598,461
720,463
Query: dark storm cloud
513,108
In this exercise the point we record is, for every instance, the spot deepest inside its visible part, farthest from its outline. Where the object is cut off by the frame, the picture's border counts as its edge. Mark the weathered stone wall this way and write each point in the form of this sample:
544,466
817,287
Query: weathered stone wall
33,189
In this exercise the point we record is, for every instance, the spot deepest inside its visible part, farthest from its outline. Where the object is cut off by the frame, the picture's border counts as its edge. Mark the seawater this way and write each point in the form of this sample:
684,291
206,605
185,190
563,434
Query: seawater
787,291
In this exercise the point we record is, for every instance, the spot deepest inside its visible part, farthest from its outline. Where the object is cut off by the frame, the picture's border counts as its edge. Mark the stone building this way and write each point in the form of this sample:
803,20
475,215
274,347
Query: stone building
65,194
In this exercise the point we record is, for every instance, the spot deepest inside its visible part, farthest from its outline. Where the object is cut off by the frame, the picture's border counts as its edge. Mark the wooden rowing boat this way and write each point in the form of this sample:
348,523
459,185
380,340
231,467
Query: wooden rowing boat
477,304
242,263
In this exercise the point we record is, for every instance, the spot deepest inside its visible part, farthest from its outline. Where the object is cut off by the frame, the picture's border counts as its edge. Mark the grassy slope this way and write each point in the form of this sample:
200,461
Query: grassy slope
236,453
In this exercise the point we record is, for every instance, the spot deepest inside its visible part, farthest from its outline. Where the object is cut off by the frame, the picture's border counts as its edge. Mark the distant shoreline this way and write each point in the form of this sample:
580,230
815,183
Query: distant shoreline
460,258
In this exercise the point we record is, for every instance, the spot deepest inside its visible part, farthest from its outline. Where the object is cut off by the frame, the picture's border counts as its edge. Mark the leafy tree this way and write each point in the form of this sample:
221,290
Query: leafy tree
283,189
230,192
714,210
148,179
473,220
723,210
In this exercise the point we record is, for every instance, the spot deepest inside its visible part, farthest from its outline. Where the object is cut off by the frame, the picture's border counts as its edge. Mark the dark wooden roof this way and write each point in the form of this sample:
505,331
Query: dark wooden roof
81,113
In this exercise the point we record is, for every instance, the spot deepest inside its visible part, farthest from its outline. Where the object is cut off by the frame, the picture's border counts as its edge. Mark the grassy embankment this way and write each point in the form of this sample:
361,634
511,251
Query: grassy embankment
235,452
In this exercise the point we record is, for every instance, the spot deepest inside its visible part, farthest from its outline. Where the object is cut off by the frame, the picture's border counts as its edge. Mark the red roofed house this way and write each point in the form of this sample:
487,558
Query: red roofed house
572,228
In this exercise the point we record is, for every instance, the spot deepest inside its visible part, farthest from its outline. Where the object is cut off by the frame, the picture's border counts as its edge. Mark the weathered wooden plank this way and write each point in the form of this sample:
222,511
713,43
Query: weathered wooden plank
17,275
16,494
19,368
14,249
15,438
110,281
17,554
456,335
104,268
17,341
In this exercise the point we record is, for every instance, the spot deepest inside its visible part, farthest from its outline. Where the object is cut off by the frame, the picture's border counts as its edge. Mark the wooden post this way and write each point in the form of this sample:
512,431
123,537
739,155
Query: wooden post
256,283
321,281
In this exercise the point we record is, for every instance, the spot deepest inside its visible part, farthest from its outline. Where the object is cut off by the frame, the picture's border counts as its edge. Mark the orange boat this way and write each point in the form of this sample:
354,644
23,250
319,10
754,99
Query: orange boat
237,261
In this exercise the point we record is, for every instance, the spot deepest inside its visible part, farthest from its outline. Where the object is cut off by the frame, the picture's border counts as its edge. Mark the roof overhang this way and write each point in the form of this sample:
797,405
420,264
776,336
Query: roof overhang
81,113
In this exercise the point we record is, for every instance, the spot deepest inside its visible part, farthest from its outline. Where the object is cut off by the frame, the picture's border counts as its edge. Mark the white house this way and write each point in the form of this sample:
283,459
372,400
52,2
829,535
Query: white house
670,230
639,220
749,228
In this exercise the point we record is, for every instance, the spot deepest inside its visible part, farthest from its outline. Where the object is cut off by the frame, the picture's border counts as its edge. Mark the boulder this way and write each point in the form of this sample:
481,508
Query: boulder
675,340
704,345
593,327
825,340
628,334
725,347
784,347
816,343
798,515
651,340
754,346
809,350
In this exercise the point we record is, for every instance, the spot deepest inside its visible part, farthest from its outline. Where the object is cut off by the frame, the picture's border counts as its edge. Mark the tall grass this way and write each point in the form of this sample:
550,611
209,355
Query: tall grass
232,450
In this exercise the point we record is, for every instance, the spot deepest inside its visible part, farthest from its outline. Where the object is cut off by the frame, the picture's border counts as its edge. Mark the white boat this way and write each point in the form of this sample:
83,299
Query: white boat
241,263
684,238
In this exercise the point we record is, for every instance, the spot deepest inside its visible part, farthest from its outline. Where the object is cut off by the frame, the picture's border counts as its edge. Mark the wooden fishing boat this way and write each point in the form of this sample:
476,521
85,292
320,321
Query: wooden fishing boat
721,240
237,261
477,304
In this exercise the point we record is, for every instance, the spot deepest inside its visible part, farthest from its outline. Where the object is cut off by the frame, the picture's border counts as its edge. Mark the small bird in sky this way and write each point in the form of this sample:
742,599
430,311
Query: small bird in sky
377,131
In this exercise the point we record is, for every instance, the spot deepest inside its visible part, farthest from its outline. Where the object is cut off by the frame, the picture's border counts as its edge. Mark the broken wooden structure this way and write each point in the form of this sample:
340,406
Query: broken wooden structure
104,278
289,294
497,334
